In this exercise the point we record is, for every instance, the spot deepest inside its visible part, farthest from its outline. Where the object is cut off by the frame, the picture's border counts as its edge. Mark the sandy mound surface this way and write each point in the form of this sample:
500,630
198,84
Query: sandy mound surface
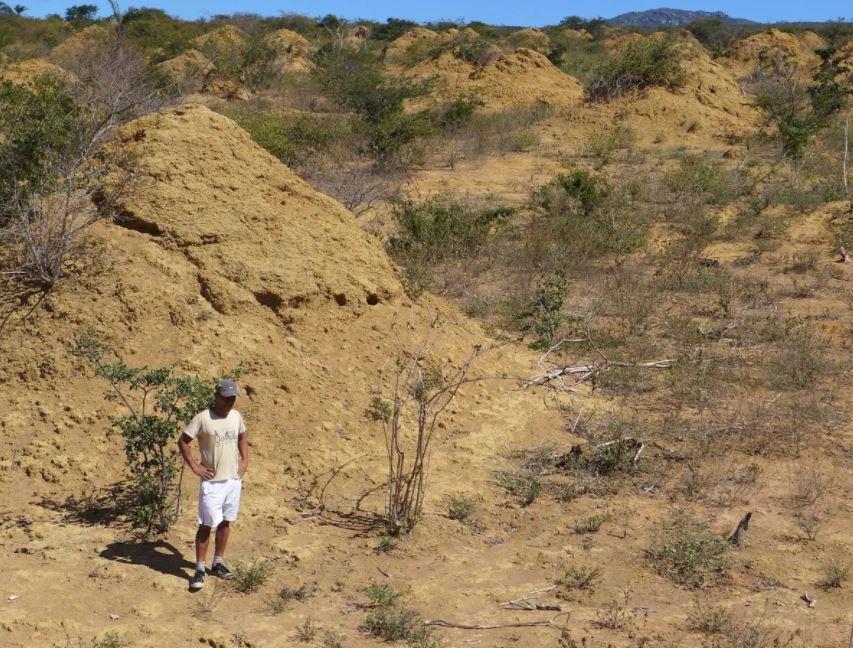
420,44
222,41
529,38
262,201
188,69
517,78
73,47
761,51
293,51
27,71
525,76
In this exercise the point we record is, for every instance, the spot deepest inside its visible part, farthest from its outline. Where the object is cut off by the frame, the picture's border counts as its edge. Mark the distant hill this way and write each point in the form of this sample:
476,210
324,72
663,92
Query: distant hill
654,18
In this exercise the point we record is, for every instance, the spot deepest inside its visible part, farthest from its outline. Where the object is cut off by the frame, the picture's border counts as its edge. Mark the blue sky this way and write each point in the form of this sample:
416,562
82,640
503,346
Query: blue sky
493,11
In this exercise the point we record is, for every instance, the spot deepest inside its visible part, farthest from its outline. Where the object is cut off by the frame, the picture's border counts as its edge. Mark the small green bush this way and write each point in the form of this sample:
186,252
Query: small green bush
798,361
391,621
710,620
296,139
432,231
356,81
461,508
286,594
641,65
38,123
249,576
306,631
381,595
582,217
707,179
543,317
524,484
589,524
688,553
835,573
578,578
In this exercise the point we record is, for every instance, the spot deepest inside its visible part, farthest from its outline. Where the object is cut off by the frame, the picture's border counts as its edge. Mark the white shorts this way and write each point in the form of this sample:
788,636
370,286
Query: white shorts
218,500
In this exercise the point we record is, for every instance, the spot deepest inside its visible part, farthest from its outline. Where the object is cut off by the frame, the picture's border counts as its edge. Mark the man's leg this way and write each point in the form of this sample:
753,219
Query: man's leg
202,540
222,532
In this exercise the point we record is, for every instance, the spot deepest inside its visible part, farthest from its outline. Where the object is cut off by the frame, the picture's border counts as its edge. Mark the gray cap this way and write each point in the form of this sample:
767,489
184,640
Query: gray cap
226,388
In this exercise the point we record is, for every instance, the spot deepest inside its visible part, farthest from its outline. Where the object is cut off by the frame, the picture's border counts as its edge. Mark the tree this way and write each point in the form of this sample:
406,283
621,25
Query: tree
157,406
20,9
81,13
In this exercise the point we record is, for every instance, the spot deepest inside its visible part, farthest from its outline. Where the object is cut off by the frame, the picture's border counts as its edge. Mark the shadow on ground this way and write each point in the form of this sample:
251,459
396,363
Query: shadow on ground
157,555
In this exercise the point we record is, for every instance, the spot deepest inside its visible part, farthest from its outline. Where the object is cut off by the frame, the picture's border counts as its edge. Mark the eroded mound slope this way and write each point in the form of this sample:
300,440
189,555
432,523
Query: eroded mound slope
773,47
255,230
26,71
522,77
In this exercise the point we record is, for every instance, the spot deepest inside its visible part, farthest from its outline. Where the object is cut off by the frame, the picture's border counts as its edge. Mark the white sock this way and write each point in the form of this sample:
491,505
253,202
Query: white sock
199,566
217,560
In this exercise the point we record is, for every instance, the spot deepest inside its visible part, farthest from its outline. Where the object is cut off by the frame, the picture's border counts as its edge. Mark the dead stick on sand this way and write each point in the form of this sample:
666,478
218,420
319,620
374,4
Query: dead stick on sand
546,623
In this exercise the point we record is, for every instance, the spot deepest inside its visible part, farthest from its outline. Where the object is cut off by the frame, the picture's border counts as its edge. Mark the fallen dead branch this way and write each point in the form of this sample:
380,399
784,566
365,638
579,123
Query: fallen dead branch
547,623
587,371
526,602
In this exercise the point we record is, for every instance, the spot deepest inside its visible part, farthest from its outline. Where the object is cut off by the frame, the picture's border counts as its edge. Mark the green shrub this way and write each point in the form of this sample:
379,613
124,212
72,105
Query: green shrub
432,231
707,179
578,578
249,576
582,217
286,594
461,508
298,140
478,51
602,146
38,123
164,404
835,573
306,631
524,484
154,29
356,81
641,65
798,361
687,553
827,95
710,620
543,315
589,524
381,595
391,621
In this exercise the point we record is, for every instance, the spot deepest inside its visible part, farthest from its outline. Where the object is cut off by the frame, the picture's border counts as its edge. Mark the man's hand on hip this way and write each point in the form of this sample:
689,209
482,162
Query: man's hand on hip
203,471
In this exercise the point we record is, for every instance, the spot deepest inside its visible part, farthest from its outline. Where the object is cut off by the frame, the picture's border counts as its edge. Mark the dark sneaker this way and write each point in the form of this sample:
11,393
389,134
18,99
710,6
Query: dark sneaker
197,581
222,571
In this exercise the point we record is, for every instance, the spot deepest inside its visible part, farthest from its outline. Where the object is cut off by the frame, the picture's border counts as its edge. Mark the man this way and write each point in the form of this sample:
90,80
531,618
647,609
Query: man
221,436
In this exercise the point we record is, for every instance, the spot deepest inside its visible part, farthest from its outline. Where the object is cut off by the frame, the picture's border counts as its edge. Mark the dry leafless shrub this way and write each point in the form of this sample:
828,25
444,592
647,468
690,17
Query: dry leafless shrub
809,485
79,184
408,407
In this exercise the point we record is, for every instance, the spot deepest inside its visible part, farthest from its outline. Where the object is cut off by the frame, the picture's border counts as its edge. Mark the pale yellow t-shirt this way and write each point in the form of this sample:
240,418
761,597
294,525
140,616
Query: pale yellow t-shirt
217,440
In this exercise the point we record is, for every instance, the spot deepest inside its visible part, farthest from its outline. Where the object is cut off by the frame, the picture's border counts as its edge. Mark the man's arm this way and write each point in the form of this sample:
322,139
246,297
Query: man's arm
187,453
243,447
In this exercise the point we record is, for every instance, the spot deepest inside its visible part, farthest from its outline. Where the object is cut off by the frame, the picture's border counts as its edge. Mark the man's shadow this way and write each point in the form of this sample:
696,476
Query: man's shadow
159,556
